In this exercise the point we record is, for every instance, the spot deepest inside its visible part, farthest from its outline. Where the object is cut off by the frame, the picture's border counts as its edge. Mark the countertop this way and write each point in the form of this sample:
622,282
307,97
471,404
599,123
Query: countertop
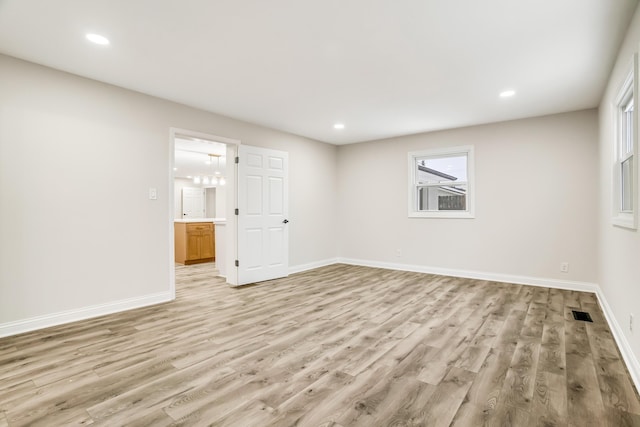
214,220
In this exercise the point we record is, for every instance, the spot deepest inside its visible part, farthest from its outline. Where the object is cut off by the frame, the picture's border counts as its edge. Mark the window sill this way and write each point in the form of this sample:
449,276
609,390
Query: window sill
441,214
624,221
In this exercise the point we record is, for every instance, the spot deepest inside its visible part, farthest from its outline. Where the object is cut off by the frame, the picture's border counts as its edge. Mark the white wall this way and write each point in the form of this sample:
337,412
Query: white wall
210,202
536,195
619,249
220,203
93,238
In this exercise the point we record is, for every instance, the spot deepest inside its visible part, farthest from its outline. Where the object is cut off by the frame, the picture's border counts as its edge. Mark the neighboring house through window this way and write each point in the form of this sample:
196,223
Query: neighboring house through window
441,183
625,211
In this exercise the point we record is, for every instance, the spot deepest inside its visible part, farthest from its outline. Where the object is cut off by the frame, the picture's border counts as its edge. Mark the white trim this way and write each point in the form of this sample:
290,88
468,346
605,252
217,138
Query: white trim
469,213
630,360
84,313
171,211
479,275
442,214
312,265
628,88
232,230
202,135
231,273
624,220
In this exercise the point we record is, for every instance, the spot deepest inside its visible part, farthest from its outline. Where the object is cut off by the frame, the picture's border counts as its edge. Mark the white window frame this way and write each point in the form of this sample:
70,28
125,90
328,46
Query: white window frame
470,183
628,91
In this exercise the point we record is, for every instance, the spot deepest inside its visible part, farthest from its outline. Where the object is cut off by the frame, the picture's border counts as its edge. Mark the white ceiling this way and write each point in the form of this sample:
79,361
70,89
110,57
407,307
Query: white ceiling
192,158
381,67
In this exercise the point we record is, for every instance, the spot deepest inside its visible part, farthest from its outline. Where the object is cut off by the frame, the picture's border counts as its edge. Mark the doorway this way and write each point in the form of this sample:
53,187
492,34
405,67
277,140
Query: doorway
198,165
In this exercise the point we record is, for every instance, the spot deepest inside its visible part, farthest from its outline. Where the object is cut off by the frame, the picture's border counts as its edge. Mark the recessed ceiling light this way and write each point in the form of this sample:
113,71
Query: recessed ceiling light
507,93
98,39
338,126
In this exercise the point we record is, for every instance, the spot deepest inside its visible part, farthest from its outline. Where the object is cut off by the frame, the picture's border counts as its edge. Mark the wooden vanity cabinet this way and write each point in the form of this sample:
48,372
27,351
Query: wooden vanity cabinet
194,242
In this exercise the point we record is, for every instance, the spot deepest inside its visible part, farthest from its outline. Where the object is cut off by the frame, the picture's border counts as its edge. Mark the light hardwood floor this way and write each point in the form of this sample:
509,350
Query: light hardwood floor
336,346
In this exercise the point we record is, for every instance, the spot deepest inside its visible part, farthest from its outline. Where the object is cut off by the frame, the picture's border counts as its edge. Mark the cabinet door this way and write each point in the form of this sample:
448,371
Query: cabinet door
194,239
206,244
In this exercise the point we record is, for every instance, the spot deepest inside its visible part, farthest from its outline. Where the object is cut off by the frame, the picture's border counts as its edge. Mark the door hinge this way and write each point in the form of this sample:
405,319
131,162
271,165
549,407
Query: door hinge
237,263
237,211
237,160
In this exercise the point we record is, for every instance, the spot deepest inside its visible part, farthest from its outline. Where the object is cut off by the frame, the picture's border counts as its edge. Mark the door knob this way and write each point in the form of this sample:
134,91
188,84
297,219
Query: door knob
285,221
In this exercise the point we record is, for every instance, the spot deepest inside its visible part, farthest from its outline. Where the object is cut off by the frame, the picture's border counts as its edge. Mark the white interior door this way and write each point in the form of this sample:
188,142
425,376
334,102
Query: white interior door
263,208
192,203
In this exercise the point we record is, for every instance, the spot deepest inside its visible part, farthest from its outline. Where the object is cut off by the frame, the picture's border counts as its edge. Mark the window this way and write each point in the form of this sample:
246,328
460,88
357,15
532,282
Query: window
441,183
625,167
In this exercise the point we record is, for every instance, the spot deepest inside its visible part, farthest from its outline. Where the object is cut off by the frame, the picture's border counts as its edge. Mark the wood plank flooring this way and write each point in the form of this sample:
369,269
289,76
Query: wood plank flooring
336,346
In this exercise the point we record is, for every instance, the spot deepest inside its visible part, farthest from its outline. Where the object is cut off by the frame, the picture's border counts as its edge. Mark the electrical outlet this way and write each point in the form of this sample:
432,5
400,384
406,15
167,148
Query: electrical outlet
564,267
398,253
630,322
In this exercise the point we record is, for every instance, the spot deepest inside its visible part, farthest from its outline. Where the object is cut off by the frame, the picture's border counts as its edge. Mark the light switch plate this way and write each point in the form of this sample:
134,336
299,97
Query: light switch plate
153,193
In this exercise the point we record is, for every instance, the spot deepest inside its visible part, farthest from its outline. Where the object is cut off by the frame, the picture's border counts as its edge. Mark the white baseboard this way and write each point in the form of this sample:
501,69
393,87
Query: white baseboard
631,361
54,319
479,275
310,266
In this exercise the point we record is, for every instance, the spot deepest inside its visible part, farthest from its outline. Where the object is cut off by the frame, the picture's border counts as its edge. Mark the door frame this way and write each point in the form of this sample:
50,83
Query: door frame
231,202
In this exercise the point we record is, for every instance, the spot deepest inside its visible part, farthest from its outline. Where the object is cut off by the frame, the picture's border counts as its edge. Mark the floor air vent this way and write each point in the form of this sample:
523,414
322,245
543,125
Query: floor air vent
582,315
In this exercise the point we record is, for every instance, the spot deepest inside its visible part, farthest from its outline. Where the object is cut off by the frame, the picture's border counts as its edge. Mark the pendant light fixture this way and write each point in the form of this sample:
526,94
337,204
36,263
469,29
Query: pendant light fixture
213,176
